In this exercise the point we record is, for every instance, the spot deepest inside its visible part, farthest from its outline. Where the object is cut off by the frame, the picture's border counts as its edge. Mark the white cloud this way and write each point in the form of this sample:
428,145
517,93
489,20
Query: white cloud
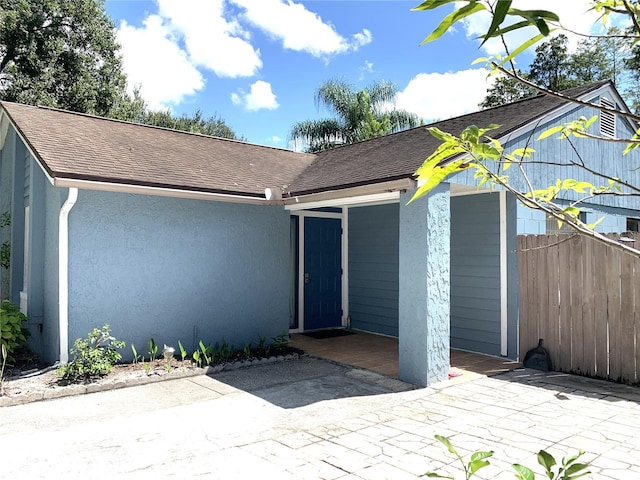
154,62
276,139
212,41
298,28
438,96
574,15
260,97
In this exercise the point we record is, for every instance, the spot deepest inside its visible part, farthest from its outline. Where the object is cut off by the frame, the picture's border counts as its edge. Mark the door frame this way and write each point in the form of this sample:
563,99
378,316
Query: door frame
344,218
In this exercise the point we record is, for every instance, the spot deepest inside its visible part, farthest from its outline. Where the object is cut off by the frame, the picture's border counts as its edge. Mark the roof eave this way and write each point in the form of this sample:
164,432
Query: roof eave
160,191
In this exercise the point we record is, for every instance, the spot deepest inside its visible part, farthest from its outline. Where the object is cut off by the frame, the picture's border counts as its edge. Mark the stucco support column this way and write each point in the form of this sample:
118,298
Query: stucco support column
424,303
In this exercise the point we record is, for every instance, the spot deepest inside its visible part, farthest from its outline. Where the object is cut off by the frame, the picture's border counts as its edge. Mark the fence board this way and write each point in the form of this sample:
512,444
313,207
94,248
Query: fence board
613,305
627,338
576,287
564,289
580,296
551,336
600,311
588,363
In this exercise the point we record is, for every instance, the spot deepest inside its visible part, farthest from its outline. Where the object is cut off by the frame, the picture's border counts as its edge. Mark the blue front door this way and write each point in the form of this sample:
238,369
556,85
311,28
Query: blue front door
322,273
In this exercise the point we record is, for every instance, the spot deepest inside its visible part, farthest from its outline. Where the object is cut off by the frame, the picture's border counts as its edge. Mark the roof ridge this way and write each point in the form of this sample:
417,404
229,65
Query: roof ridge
144,125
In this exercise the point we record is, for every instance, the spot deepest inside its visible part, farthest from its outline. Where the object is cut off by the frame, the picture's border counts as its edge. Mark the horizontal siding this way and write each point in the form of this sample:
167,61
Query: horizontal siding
373,268
475,273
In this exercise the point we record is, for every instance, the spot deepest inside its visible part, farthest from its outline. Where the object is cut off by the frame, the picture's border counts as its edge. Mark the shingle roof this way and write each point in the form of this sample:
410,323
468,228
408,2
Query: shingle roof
83,147
400,154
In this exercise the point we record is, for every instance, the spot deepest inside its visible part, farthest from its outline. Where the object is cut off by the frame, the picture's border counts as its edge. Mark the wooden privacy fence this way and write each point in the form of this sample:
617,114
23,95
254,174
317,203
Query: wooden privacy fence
580,296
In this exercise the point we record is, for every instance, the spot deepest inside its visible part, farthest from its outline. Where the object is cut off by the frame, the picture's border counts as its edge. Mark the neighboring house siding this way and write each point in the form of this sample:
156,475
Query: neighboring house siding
177,269
599,155
475,273
614,220
373,268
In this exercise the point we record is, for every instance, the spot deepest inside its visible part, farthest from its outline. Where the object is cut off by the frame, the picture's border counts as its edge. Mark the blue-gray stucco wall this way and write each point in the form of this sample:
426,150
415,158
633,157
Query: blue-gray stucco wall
177,269
373,268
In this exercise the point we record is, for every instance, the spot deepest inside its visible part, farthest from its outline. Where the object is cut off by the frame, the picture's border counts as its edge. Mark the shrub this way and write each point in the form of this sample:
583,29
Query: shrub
12,333
94,357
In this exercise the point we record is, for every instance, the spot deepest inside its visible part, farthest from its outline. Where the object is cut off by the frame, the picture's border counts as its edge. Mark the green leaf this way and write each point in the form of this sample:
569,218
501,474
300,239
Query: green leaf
522,48
452,18
523,152
550,131
479,455
432,4
499,14
523,473
510,28
533,14
476,465
572,211
445,441
546,460
435,475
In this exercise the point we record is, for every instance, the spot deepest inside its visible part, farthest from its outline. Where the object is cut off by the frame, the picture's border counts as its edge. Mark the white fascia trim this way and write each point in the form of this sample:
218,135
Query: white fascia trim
4,128
163,192
63,273
504,304
351,196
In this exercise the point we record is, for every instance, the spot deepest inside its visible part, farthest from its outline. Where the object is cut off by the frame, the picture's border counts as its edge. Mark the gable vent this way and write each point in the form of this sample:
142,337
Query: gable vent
607,119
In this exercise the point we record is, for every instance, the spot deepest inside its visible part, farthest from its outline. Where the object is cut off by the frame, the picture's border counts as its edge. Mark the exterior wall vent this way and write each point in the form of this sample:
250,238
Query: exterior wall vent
607,120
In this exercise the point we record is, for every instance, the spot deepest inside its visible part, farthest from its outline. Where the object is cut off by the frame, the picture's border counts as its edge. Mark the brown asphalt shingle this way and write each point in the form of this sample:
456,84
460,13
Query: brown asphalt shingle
77,146
400,154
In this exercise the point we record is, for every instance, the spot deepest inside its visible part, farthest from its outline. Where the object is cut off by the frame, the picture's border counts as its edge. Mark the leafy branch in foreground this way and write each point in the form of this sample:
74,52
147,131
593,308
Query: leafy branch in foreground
568,469
475,149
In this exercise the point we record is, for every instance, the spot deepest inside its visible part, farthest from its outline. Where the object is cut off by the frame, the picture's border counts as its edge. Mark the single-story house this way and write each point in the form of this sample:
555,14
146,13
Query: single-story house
179,236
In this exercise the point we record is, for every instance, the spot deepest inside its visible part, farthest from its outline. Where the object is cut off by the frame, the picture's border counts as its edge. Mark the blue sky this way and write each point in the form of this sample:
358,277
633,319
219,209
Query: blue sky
257,63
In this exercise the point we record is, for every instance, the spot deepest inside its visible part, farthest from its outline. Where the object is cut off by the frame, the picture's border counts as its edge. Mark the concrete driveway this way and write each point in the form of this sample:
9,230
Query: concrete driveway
313,419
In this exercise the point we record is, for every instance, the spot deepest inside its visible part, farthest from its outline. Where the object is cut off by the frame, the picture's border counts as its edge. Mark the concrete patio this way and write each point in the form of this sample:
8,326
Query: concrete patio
313,419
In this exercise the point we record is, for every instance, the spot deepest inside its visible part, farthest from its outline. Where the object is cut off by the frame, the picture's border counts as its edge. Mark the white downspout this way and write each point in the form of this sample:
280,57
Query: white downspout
63,273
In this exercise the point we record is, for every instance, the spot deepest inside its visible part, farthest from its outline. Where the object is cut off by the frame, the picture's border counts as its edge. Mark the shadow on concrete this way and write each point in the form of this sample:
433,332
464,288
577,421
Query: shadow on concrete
562,384
301,382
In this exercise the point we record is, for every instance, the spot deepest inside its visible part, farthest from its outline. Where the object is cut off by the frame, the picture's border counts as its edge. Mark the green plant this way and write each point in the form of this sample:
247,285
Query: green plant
570,469
247,350
475,463
146,366
183,352
281,342
152,349
206,353
224,351
136,357
12,333
262,345
196,358
94,356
